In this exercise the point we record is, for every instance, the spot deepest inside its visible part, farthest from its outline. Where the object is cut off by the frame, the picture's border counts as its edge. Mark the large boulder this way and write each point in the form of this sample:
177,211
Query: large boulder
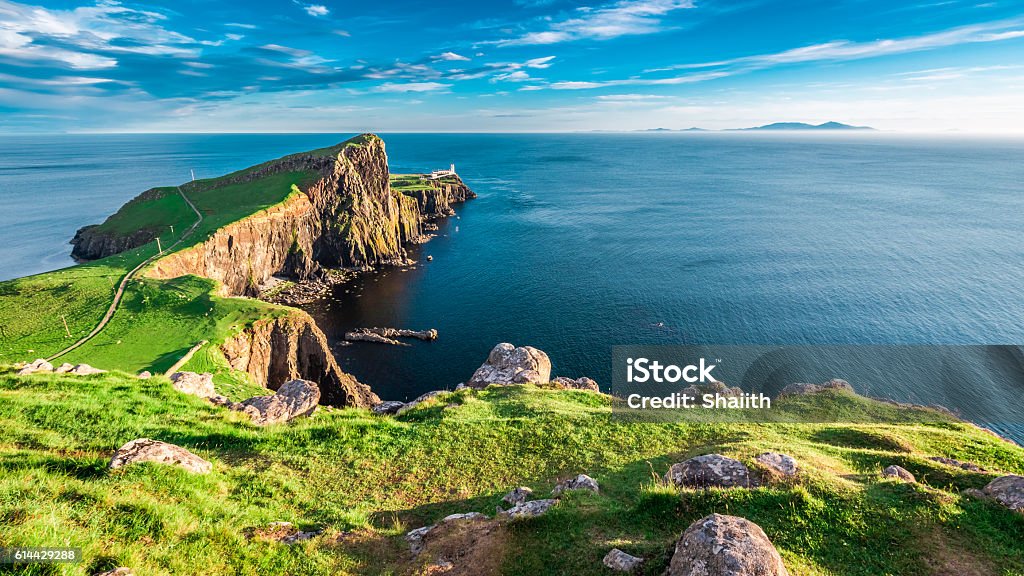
581,482
146,450
719,545
780,464
200,385
85,370
801,389
709,470
293,399
1008,491
39,365
507,364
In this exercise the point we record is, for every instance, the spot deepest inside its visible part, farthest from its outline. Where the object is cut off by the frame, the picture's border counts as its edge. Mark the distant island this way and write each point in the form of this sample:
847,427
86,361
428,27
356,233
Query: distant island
786,126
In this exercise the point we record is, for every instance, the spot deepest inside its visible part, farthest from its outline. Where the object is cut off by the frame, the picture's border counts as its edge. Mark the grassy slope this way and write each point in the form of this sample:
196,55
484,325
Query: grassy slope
369,479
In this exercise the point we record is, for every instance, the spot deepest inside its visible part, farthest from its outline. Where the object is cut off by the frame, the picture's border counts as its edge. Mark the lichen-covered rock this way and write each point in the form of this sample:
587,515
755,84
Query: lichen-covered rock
292,400
898,472
39,365
389,407
529,509
507,364
709,470
581,482
517,496
719,545
583,383
620,561
801,389
781,464
200,385
1008,491
147,450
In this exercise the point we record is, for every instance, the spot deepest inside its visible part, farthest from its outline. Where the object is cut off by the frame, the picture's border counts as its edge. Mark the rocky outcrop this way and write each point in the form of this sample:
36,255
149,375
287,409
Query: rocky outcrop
96,241
507,364
529,509
389,335
709,470
276,350
292,400
437,200
517,496
39,365
801,389
725,546
146,450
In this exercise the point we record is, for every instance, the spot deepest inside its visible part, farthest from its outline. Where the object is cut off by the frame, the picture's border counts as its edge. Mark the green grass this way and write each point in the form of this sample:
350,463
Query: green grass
366,480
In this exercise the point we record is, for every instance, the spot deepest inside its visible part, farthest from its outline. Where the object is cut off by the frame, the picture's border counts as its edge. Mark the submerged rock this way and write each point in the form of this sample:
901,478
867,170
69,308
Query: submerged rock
709,470
200,385
507,364
581,482
147,450
722,545
293,399
898,472
618,560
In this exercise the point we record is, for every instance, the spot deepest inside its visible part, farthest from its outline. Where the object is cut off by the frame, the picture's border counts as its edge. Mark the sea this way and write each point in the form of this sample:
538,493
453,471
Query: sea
581,242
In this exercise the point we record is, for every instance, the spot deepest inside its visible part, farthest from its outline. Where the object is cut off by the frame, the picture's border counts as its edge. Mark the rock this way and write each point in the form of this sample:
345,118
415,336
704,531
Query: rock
697,391
146,450
709,470
200,385
517,496
583,383
719,545
64,368
507,364
618,560
144,375
529,509
899,473
85,370
122,571
389,407
419,400
415,538
581,482
39,365
430,258
1008,491
781,464
464,516
800,389
293,399
957,464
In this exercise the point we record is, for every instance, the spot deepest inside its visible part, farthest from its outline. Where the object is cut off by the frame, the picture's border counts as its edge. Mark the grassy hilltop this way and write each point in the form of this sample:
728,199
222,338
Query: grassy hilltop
366,480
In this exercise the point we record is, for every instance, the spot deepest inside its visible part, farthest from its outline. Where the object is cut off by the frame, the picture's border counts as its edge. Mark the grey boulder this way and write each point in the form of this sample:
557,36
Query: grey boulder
581,482
618,560
147,450
781,464
899,473
1008,491
39,365
200,385
517,496
293,399
719,545
507,364
709,470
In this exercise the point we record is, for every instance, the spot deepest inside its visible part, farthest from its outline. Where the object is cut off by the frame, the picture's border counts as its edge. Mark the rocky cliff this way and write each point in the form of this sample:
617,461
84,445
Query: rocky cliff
276,350
95,241
349,217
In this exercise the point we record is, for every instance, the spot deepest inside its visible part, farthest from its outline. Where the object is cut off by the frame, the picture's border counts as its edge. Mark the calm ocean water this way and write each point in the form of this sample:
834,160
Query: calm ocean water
580,242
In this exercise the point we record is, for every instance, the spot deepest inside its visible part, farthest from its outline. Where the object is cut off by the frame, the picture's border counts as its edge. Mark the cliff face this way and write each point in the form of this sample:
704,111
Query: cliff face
90,243
349,217
274,351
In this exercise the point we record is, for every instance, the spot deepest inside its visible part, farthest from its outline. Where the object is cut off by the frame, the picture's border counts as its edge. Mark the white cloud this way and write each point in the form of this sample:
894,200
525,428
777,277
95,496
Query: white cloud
411,87
450,57
517,76
623,18
316,10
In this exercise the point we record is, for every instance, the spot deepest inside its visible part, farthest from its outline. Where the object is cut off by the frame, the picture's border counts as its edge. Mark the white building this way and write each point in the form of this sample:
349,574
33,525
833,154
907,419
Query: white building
436,174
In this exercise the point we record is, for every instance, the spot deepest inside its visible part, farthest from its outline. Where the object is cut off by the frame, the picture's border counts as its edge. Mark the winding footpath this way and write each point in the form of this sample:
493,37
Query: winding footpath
127,277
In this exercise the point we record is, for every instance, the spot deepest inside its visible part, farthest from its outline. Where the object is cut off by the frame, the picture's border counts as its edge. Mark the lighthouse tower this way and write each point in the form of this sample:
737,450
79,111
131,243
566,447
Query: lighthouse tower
452,170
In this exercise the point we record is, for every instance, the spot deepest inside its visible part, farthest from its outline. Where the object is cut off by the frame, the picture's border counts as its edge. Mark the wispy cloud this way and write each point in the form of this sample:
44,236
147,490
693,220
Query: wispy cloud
450,57
623,18
411,87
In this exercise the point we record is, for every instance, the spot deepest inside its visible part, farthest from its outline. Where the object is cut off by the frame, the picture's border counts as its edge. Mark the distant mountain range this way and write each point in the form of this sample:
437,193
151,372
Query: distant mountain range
782,126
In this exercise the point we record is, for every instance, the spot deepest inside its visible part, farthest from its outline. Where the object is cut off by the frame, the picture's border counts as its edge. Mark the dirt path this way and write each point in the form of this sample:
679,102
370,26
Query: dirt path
124,282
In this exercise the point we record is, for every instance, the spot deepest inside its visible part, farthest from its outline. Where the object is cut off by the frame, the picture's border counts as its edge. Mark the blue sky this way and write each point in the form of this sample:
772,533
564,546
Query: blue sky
515,65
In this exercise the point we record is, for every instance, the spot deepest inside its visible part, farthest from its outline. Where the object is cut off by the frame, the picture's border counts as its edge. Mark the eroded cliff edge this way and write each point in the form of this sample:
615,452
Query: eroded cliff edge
345,215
